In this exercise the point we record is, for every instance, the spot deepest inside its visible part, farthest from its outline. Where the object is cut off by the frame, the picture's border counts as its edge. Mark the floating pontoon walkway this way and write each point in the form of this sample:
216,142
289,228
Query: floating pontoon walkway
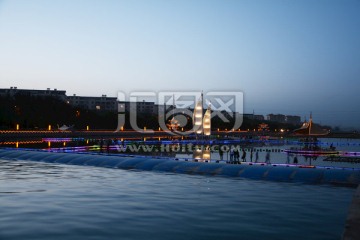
272,172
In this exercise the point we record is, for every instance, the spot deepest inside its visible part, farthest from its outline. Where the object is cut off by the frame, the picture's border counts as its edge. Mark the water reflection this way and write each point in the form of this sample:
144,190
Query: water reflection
222,150
11,169
202,153
147,205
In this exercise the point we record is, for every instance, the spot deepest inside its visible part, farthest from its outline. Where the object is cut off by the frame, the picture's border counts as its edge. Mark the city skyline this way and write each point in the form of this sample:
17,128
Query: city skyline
286,57
89,102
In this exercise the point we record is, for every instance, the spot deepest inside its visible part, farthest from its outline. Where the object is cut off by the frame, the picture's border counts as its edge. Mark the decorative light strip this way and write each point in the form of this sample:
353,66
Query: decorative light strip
62,139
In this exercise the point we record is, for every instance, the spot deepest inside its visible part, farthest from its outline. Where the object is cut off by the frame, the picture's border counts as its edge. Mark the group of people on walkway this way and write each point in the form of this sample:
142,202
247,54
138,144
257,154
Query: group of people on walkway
234,155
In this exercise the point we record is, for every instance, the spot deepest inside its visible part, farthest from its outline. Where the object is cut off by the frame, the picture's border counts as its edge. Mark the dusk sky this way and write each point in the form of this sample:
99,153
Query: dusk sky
290,57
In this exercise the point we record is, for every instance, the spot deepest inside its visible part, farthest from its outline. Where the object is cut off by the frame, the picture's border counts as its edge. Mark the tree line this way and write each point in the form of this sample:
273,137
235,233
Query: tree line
38,112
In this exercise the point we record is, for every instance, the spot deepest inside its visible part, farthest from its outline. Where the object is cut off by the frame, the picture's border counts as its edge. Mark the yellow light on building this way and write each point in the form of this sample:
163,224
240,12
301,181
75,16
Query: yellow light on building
64,144
87,128
122,128
49,127
144,128
17,126
49,144
17,144
159,129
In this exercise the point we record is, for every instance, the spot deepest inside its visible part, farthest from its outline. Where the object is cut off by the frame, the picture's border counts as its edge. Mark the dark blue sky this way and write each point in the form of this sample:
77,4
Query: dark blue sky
288,57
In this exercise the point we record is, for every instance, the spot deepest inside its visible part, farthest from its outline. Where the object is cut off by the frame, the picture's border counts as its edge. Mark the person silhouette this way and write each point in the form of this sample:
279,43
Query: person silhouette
232,155
221,153
295,160
267,157
236,155
243,157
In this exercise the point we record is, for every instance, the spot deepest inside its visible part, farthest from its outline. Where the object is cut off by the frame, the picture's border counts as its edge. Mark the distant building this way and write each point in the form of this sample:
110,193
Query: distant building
276,118
259,117
248,115
145,107
139,107
224,115
161,109
295,120
253,116
102,103
12,91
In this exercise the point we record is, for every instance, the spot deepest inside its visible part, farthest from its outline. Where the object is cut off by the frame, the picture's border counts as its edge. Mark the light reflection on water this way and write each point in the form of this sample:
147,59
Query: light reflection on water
261,149
53,201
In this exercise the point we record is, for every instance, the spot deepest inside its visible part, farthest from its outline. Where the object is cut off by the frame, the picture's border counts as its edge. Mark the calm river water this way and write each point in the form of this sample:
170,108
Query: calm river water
54,201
